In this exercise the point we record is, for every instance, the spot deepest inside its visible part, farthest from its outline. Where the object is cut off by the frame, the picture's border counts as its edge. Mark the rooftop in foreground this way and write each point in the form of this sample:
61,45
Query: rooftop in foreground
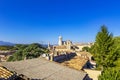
77,63
40,68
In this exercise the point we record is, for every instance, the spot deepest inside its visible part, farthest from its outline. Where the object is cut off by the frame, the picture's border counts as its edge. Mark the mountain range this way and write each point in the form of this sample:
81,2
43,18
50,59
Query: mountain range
3,43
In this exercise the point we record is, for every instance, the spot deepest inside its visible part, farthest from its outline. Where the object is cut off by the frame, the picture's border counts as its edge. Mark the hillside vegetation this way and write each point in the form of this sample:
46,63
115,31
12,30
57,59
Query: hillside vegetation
27,52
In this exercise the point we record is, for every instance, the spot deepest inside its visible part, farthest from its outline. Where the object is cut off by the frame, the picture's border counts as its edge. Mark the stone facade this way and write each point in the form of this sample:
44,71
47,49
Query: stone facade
63,45
69,46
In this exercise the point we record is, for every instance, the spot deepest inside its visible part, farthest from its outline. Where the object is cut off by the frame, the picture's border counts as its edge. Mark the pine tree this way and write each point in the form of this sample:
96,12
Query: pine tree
104,50
110,74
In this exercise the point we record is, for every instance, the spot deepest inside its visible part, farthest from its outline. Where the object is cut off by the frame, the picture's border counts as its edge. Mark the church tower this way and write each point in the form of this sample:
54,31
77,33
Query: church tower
60,41
48,45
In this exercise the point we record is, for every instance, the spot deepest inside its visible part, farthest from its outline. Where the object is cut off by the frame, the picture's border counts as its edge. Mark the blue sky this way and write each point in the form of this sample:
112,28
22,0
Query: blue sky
28,21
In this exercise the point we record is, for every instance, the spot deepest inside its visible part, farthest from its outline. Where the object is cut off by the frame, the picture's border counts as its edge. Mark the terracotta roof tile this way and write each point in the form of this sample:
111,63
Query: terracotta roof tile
42,69
76,63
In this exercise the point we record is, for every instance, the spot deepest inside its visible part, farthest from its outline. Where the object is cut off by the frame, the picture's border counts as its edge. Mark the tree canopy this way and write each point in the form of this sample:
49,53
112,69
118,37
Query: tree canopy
106,52
4,48
110,74
27,52
86,48
104,49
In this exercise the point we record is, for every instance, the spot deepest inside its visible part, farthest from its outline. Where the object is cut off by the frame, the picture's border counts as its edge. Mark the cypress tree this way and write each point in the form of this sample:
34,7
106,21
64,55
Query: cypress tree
104,50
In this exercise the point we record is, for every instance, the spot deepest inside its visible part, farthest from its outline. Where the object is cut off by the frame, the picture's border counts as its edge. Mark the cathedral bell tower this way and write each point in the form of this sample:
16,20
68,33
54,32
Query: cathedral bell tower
60,41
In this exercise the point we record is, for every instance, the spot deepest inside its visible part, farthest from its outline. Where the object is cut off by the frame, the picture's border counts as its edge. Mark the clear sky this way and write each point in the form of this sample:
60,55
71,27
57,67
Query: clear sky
27,21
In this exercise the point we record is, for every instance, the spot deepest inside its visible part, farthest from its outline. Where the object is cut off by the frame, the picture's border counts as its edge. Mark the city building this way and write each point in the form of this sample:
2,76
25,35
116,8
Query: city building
68,46
64,49
63,46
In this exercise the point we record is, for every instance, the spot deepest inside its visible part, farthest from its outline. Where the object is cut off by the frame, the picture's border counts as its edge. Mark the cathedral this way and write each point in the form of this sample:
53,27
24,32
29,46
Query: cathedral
68,46
63,46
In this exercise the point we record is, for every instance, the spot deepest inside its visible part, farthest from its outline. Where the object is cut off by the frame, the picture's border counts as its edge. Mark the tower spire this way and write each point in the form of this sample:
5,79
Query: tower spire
60,41
48,45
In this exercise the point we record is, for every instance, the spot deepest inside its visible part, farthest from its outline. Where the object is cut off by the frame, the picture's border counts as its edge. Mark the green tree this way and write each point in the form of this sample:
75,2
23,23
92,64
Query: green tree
104,49
10,58
20,46
34,50
16,56
86,49
27,51
110,74
117,44
4,48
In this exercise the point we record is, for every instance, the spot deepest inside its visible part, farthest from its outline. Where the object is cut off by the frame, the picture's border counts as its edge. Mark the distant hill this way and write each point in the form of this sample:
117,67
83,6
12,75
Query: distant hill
46,45
3,43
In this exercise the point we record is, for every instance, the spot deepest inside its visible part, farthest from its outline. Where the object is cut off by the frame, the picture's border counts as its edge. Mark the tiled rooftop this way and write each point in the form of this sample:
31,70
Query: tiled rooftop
5,73
46,70
77,63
